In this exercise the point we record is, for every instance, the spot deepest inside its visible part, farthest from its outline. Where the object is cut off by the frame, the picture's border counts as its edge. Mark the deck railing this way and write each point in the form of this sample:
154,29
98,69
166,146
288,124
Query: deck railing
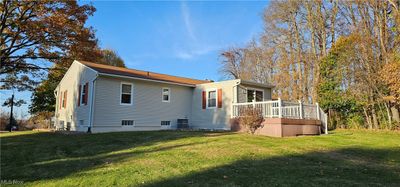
283,109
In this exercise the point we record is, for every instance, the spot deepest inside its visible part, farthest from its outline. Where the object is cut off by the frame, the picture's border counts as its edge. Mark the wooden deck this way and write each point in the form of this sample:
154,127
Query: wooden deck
285,118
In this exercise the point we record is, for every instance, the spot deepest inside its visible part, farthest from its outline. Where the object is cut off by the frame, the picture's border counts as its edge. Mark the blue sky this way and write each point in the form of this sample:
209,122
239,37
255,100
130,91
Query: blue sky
179,38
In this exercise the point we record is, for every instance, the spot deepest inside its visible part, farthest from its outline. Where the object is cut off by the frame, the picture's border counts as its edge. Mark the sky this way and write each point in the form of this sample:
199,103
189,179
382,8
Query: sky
178,38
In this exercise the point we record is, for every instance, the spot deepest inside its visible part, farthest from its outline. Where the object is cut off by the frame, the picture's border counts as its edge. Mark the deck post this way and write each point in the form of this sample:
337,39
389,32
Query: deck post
279,107
317,106
300,109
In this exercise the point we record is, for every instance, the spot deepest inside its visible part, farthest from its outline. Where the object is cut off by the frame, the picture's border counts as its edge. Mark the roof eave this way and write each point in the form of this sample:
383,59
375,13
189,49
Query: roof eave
257,84
144,79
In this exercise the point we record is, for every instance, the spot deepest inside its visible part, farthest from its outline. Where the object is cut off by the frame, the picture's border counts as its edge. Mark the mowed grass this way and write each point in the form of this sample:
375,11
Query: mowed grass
170,158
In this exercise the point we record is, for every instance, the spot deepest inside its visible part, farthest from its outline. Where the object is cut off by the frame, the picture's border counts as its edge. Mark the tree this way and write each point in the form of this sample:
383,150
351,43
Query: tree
110,57
302,36
33,32
40,30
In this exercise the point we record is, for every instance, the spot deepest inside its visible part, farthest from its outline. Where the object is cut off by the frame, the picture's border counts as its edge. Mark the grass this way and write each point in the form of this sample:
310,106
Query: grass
345,157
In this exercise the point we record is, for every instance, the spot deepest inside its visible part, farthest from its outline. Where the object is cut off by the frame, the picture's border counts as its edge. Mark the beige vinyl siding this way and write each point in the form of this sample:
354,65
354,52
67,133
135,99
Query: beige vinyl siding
217,118
147,109
76,74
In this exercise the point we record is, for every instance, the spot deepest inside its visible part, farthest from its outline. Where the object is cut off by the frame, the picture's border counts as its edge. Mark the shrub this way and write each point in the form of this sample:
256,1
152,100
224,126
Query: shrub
355,122
251,118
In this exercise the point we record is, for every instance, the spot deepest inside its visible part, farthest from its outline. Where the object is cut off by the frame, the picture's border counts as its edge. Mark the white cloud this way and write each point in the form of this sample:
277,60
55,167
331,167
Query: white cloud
187,20
189,54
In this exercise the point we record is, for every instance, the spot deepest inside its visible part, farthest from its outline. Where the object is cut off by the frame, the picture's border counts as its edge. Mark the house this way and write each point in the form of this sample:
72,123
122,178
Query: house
100,98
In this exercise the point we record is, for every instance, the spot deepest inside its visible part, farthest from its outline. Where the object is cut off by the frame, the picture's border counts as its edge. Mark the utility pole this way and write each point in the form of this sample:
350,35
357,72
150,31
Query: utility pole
11,112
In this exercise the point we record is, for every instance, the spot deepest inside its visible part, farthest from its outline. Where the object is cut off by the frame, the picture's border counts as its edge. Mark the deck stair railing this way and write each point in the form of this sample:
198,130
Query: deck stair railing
283,109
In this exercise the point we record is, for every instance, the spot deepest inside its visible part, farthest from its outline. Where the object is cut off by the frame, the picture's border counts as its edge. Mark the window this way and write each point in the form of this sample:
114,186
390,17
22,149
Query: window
259,95
165,94
212,99
64,99
127,122
126,93
165,123
83,94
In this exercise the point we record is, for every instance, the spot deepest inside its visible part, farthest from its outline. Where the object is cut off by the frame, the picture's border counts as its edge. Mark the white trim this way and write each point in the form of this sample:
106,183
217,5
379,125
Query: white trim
120,93
255,89
216,98
92,99
165,126
169,95
151,80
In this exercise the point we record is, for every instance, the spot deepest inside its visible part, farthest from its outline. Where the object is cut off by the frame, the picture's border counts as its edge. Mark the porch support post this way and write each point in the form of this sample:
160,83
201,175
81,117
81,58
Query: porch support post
318,117
300,109
279,107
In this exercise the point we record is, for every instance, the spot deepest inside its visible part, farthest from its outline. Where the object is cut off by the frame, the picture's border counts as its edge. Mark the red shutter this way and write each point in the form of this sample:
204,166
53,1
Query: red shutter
86,92
219,98
204,100
60,95
79,95
65,98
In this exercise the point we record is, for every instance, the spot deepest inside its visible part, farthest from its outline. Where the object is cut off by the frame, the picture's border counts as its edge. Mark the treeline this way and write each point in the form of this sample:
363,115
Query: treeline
342,54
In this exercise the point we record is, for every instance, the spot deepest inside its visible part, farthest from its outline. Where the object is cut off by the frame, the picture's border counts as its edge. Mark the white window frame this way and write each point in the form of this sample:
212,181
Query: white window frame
162,95
82,91
133,125
120,93
255,89
166,126
216,98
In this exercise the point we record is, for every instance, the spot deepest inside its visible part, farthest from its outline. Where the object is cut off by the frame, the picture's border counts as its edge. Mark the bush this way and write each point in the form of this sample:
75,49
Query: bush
251,118
355,122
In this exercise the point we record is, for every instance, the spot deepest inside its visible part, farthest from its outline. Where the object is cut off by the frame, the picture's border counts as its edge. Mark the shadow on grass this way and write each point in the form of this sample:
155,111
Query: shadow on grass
345,167
40,156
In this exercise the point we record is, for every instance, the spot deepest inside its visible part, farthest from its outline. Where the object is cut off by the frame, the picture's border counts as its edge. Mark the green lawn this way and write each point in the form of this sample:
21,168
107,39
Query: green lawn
201,159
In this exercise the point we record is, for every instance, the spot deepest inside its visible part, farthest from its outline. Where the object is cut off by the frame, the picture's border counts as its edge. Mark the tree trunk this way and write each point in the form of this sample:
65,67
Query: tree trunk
395,114
388,114
374,118
10,125
368,118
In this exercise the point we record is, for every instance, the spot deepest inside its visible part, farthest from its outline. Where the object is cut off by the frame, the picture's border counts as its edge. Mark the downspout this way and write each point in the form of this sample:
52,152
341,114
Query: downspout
91,104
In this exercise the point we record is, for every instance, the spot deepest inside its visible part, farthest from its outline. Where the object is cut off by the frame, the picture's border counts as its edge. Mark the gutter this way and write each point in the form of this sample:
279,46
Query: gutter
150,80
91,104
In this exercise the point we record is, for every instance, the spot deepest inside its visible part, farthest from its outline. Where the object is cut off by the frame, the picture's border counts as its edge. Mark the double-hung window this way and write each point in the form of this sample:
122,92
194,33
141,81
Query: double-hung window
212,98
165,94
83,94
126,93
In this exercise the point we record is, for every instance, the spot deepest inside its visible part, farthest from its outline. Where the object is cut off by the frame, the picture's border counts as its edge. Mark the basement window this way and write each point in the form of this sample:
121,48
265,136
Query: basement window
127,122
165,123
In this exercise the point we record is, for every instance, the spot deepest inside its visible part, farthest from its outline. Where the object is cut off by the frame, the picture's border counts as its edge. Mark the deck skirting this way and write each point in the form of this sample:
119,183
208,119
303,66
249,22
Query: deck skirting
283,127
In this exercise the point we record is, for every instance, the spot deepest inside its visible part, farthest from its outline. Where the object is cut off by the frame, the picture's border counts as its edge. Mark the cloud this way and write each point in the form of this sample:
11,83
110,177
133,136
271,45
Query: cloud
189,54
187,20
